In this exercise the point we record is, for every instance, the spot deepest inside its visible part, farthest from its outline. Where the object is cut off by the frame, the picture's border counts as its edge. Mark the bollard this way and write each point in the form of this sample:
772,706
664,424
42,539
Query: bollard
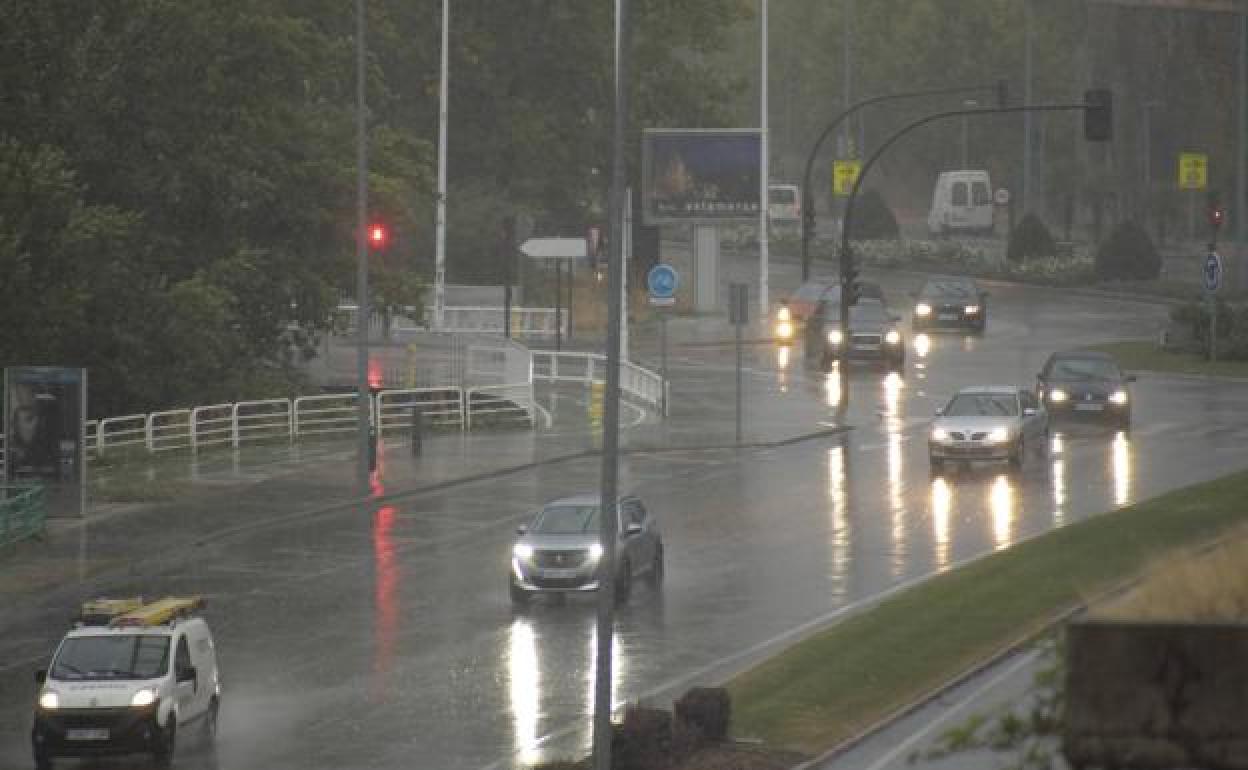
418,430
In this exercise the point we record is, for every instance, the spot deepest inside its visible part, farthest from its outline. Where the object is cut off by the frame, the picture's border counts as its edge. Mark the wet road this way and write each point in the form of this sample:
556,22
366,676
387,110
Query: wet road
382,636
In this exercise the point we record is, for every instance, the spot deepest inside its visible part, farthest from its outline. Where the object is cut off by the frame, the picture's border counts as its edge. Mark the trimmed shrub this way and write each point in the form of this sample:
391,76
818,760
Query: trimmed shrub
643,740
1031,238
873,219
708,710
1128,253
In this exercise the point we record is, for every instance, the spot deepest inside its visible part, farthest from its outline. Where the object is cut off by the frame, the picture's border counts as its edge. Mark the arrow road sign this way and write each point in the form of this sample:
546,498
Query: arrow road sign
554,248
1212,271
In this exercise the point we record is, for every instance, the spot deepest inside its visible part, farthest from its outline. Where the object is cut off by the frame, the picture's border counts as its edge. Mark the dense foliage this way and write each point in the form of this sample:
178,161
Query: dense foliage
1128,253
1030,239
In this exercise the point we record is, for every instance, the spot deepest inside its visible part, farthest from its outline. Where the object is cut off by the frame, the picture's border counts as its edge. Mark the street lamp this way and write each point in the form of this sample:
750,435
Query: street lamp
969,104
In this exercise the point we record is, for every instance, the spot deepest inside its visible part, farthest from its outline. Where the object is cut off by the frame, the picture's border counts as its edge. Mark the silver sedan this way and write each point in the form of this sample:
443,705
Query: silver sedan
561,550
987,422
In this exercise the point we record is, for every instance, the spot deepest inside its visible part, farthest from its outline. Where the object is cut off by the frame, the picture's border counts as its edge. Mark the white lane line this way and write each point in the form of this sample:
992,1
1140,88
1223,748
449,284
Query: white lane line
947,714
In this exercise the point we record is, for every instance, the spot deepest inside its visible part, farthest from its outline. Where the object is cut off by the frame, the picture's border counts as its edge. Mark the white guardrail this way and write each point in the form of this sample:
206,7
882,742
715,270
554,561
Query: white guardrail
635,381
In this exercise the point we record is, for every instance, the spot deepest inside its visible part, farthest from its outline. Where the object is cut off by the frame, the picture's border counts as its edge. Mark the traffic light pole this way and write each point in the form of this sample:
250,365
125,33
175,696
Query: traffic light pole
808,199
849,271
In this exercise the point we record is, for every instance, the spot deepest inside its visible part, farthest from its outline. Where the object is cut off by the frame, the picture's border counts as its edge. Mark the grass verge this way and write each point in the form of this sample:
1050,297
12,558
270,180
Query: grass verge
1146,356
829,687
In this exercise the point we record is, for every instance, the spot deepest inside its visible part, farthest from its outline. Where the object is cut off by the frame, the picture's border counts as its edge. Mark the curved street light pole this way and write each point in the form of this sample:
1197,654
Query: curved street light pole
808,210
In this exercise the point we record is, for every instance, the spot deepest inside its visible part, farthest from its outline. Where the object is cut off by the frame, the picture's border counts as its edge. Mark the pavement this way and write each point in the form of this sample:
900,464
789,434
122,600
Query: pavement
369,630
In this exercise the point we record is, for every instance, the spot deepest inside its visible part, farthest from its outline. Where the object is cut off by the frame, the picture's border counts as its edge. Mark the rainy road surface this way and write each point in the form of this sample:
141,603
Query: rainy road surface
382,636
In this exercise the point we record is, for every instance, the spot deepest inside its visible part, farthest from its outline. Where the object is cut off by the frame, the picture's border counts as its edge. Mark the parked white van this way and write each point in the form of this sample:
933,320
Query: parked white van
961,203
784,206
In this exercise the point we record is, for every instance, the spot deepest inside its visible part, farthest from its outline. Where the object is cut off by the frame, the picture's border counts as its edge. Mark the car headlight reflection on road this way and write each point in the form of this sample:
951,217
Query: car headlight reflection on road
1118,397
893,337
940,434
49,701
922,309
523,551
835,337
971,309
1057,396
595,552
144,697
784,329
998,436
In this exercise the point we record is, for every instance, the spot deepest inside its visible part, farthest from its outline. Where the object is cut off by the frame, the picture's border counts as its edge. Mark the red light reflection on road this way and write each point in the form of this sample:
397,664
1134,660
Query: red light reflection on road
385,597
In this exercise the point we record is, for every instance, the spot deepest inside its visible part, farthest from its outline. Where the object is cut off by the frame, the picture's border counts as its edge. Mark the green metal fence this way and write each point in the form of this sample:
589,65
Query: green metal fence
23,510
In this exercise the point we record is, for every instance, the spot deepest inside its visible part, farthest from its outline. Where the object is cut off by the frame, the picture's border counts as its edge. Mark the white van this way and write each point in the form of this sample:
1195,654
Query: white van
961,203
784,204
127,679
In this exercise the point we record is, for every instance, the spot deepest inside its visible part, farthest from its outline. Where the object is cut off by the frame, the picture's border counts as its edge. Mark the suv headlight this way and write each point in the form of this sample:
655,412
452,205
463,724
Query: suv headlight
922,309
783,314
971,309
523,551
893,337
144,697
940,434
1057,395
49,701
835,336
999,436
1118,397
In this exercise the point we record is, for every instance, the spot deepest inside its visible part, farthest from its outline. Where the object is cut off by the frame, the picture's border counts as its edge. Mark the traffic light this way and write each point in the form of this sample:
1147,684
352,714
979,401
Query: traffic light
1216,216
1003,93
1098,115
378,236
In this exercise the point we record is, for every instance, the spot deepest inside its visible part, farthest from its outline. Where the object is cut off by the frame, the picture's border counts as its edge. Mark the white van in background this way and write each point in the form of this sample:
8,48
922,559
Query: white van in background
784,204
961,203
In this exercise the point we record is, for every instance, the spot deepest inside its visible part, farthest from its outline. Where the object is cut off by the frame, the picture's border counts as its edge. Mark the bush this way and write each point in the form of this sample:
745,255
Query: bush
708,710
1128,253
873,219
1232,328
643,740
1031,238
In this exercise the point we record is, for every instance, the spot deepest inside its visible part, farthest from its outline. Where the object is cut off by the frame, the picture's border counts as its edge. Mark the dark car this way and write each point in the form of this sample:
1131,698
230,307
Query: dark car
873,335
1085,383
955,303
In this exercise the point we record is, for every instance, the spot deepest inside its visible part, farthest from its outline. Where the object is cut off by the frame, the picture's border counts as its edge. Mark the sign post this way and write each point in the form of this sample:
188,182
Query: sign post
1211,276
739,314
662,281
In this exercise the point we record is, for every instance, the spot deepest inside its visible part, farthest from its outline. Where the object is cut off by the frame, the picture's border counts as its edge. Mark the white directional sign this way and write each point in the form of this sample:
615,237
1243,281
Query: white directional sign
554,248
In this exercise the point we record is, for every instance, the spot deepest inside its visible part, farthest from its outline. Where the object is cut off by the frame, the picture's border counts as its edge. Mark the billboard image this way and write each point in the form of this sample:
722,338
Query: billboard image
707,176
44,410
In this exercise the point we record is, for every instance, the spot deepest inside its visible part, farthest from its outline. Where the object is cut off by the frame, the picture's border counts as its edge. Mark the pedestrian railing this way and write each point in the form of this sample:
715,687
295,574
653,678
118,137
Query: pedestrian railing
439,407
499,404
564,366
23,510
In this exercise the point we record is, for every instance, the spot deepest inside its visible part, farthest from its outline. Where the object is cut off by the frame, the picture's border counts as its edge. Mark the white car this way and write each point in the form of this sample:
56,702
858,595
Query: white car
127,679
987,422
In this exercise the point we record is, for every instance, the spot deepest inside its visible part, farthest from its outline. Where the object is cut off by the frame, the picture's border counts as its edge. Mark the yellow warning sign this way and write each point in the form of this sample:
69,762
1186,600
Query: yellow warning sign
1193,170
596,391
844,174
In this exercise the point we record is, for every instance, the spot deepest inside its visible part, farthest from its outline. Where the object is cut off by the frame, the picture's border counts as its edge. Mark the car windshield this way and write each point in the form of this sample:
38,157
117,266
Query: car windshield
1085,369
947,289
783,195
982,405
566,520
113,656
871,312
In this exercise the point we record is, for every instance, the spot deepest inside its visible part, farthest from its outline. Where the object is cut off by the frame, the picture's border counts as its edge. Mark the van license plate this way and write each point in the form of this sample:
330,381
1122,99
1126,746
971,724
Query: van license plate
81,734
947,317
1090,407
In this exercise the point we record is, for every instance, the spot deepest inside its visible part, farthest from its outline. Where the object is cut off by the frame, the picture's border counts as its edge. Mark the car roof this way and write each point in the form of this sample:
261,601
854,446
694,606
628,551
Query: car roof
585,498
989,389
1094,354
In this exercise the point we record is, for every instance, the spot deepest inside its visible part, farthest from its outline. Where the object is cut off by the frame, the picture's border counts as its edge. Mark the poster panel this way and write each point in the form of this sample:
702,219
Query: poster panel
700,176
44,433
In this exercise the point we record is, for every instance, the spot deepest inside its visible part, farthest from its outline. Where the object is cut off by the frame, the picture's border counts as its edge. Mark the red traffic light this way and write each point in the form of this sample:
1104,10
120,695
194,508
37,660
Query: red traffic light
1216,214
378,236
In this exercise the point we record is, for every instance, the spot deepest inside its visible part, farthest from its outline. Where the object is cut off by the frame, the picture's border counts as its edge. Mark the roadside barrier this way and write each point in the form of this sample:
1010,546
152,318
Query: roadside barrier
23,510
636,382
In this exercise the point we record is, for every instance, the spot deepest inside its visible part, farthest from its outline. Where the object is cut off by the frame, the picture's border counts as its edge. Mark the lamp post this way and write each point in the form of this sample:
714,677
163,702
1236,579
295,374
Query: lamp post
439,270
363,311
764,183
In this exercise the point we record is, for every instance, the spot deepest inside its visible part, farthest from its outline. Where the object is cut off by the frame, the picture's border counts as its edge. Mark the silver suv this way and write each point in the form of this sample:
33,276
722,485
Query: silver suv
560,550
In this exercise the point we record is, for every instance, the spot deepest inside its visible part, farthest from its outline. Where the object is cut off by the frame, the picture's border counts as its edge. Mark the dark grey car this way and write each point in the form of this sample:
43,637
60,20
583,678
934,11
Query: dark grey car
560,551
873,335
1086,384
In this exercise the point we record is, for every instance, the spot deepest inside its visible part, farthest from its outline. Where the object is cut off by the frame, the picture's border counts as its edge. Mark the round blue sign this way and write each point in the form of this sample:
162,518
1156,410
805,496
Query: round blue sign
662,280
1212,272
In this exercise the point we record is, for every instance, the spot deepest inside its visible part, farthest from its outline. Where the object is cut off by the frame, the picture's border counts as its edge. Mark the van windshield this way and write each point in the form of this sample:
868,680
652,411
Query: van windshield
115,656
783,195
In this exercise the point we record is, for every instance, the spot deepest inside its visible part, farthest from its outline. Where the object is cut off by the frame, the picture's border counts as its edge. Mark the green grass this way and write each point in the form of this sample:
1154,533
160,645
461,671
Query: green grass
1138,355
829,687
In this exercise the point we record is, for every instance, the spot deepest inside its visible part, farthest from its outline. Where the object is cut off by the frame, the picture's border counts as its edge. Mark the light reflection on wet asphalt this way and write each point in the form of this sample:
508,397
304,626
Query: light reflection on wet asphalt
384,637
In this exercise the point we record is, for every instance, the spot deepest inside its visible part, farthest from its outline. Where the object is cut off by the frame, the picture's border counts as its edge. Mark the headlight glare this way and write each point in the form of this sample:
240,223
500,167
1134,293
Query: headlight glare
1057,395
144,697
784,329
1118,397
835,336
971,309
892,337
595,552
940,434
49,701
922,309
783,314
999,435
523,551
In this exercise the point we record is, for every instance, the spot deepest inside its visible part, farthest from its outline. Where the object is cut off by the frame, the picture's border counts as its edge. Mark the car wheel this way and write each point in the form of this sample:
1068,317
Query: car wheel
623,583
162,755
655,578
519,596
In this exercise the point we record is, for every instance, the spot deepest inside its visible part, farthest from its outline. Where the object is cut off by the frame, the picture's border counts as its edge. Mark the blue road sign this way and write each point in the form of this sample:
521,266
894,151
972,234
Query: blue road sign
662,280
1212,272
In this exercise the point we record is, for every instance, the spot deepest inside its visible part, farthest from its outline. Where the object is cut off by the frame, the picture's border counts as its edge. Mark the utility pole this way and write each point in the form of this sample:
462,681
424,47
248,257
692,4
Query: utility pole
439,270
764,182
1026,197
363,311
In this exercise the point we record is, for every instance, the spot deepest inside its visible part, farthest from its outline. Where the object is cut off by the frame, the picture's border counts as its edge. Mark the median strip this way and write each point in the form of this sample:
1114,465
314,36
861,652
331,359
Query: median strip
833,686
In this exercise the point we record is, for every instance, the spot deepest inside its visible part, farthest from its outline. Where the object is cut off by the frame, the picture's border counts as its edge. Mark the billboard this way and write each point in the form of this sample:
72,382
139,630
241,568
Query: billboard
700,176
44,433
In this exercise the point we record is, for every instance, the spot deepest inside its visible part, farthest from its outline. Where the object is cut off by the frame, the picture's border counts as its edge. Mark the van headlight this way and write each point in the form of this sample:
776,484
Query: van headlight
49,701
922,309
999,436
940,435
835,337
1057,395
1118,397
144,697
595,552
783,314
784,329
893,337
523,551
971,309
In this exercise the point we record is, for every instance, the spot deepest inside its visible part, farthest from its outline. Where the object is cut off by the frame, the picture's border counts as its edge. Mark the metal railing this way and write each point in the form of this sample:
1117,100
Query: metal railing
635,381
23,511
525,321
440,406
508,404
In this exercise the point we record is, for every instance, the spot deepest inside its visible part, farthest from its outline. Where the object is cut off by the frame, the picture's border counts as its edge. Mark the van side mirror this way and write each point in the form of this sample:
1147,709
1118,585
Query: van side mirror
186,674
1131,378
41,676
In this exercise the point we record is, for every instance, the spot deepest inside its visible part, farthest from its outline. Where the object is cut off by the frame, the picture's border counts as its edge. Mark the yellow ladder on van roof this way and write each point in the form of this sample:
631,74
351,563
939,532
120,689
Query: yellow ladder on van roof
161,612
